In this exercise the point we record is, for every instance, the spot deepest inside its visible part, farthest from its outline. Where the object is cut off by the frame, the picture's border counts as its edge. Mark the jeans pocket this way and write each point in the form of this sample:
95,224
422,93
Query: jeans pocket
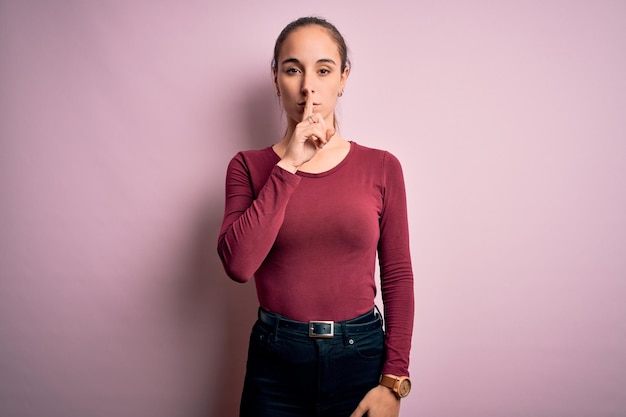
369,345
261,339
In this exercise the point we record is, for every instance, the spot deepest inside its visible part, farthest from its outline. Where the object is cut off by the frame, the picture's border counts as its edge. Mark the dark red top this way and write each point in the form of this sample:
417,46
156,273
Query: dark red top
311,240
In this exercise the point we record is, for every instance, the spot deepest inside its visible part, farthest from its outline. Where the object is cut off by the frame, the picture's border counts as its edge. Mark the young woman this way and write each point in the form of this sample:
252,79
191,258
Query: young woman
306,217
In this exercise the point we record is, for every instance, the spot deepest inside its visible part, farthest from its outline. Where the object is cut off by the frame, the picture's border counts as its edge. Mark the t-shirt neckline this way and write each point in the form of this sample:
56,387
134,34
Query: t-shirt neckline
323,173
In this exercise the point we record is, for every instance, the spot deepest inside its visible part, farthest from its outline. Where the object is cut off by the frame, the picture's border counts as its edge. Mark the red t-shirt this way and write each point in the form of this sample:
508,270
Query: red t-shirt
311,240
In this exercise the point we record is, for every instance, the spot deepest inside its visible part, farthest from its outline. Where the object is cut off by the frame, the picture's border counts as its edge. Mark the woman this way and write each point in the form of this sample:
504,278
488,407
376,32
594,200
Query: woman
306,217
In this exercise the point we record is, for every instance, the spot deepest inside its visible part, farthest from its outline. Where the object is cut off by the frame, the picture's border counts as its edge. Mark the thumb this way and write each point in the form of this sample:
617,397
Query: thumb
359,412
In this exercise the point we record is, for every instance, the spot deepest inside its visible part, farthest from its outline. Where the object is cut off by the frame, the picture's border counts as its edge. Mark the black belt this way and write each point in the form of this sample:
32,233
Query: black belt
323,329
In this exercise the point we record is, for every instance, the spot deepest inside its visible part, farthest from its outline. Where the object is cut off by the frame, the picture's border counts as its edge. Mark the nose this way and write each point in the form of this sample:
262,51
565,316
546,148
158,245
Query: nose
308,84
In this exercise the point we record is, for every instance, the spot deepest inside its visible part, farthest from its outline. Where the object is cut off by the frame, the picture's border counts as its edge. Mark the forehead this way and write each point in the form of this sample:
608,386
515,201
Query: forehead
313,42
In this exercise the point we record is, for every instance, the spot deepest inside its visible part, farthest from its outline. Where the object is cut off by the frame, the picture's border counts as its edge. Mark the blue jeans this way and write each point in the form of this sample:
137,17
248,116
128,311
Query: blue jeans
290,374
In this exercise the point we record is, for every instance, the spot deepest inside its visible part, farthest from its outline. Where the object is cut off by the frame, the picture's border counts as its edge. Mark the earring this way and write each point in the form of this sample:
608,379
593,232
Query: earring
340,93
278,92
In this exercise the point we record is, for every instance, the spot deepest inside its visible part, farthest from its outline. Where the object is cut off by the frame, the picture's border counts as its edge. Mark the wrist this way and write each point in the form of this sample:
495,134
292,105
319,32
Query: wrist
287,166
399,385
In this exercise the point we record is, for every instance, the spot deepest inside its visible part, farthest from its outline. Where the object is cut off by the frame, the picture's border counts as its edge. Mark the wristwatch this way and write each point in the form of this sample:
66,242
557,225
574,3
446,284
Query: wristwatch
400,385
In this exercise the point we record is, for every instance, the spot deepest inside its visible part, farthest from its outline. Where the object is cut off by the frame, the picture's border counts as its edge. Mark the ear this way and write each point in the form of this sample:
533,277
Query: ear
344,77
275,78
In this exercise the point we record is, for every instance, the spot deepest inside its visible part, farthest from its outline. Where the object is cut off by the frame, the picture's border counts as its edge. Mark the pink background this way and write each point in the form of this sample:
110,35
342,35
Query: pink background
117,120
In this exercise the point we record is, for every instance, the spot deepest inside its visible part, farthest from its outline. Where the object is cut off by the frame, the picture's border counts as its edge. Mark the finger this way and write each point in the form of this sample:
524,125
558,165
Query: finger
308,108
359,412
319,144
319,136
329,134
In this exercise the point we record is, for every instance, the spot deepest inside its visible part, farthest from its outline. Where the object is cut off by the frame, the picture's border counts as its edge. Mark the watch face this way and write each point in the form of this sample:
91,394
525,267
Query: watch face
404,388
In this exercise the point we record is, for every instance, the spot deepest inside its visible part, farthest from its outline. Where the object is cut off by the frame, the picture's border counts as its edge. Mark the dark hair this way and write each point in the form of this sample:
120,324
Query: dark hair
308,21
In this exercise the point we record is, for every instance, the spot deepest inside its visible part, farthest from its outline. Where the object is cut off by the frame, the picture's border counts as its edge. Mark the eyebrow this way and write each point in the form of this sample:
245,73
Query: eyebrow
319,61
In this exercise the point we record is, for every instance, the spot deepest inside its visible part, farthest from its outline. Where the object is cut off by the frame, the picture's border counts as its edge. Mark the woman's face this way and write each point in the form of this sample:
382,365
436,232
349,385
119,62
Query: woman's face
309,64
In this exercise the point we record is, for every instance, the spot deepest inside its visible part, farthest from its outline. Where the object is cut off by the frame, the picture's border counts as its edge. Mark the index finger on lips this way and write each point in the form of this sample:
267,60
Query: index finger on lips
308,108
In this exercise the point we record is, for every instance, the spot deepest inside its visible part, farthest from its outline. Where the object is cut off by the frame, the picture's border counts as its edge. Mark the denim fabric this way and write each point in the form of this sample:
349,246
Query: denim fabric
292,375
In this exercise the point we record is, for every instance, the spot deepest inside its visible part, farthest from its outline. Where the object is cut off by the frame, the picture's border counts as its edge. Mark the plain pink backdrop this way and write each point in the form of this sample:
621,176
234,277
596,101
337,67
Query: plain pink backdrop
117,120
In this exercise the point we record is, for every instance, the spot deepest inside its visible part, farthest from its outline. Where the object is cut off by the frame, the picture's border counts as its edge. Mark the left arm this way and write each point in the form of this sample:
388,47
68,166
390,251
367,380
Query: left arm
397,291
396,272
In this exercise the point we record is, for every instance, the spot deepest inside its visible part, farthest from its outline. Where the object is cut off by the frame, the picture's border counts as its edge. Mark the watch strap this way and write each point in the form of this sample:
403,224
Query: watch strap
393,383
389,381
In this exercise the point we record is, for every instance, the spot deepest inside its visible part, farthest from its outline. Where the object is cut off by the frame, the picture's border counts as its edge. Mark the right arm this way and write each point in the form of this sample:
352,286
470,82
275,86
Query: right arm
250,225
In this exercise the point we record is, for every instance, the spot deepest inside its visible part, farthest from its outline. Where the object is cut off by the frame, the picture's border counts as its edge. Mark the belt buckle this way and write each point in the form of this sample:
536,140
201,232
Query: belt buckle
314,329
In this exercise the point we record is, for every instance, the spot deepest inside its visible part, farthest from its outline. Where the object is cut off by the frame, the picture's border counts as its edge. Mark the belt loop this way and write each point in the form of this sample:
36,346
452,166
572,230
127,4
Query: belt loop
276,324
344,334
379,314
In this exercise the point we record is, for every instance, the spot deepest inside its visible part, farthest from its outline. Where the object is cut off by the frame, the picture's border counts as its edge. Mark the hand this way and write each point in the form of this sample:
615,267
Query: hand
378,402
309,136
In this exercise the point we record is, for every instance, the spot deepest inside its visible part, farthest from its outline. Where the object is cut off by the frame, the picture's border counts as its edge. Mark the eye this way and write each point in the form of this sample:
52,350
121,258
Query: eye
291,71
324,71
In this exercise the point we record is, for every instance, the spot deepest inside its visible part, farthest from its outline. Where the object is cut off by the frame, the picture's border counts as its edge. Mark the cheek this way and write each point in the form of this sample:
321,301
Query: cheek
289,103
288,91
288,82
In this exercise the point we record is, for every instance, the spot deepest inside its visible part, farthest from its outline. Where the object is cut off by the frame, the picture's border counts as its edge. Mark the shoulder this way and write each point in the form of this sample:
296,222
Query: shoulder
254,159
377,157
256,155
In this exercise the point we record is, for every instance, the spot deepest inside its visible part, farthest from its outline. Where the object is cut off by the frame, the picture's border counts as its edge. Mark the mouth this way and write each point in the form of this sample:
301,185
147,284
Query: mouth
303,103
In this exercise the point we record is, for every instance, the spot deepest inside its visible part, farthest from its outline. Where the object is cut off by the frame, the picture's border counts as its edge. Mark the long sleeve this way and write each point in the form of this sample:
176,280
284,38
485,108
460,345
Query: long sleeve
396,270
250,224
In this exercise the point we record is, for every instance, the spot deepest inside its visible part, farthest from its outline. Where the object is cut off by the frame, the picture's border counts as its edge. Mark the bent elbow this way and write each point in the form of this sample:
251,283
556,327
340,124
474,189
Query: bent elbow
237,275
237,271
